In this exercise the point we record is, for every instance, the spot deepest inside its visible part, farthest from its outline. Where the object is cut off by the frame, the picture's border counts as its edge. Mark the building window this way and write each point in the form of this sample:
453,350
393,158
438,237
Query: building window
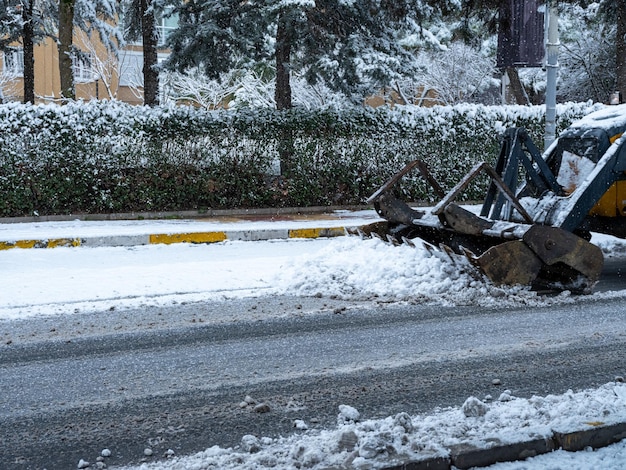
166,22
131,68
14,61
165,26
83,70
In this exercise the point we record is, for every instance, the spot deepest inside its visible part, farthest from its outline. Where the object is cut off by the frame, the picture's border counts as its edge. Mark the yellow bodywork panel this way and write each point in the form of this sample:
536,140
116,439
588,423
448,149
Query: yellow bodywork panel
607,205
613,203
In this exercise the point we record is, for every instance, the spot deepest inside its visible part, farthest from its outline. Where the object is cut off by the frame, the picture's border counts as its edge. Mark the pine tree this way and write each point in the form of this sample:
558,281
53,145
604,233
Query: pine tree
30,23
140,23
66,49
350,45
88,16
614,14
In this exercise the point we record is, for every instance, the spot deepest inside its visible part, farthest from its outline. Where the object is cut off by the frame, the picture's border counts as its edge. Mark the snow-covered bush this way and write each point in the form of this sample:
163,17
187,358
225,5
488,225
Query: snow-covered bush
112,157
458,74
241,88
587,53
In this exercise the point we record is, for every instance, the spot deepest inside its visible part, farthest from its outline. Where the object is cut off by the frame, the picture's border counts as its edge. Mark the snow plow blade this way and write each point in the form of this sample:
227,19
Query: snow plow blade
547,257
509,263
508,250
535,255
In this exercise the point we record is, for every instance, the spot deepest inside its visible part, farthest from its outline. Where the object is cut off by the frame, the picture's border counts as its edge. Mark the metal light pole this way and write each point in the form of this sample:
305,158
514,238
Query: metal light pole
552,65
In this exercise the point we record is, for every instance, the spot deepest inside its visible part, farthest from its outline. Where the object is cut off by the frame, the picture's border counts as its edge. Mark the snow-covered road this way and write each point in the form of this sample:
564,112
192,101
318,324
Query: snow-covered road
64,281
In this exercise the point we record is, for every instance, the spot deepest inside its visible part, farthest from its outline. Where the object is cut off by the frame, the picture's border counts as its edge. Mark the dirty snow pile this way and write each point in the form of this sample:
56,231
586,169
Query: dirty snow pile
362,443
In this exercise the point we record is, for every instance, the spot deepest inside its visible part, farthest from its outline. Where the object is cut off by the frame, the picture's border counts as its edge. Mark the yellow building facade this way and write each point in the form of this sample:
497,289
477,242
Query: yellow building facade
98,73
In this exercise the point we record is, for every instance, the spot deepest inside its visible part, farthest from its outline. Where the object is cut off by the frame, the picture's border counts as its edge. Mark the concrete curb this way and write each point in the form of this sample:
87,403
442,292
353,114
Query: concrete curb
463,457
193,214
170,238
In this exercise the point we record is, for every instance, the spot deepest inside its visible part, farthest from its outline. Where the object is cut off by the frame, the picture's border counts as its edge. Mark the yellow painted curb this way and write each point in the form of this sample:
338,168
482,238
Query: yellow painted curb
50,243
54,243
18,244
203,237
316,232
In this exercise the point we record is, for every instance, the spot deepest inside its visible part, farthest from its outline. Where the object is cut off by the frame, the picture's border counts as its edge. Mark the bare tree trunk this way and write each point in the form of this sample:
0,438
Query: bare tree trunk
150,57
620,47
517,88
29,53
66,45
282,94
283,58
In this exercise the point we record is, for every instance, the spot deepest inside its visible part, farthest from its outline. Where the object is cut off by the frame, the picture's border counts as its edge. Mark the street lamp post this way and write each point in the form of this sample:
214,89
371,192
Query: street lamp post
552,65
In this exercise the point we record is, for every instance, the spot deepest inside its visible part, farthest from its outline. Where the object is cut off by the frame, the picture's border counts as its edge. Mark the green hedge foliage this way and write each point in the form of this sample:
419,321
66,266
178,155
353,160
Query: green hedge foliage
105,157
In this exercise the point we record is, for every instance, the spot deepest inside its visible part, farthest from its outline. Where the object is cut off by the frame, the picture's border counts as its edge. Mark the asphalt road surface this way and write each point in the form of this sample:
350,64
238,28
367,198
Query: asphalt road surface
175,378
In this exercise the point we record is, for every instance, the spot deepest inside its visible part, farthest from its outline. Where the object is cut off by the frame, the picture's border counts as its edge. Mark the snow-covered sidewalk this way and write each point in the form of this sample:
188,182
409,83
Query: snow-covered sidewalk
251,227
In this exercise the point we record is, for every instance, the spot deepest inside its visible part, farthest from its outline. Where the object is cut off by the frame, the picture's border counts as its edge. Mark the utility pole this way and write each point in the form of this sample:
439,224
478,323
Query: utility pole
552,66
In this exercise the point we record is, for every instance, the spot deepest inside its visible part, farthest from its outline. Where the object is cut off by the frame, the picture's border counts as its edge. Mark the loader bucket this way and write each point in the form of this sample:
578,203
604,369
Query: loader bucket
508,250
509,263
545,257
567,259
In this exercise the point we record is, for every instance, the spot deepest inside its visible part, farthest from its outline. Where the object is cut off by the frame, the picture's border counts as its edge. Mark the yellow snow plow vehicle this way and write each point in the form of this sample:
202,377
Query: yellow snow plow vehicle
539,210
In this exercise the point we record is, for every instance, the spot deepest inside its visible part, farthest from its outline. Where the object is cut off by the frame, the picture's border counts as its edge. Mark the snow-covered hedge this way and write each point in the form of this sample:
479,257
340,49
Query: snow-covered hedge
110,157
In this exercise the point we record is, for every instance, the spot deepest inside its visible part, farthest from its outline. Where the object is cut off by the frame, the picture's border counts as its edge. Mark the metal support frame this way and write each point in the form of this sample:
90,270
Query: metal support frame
501,187
496,180
517,150
423,169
